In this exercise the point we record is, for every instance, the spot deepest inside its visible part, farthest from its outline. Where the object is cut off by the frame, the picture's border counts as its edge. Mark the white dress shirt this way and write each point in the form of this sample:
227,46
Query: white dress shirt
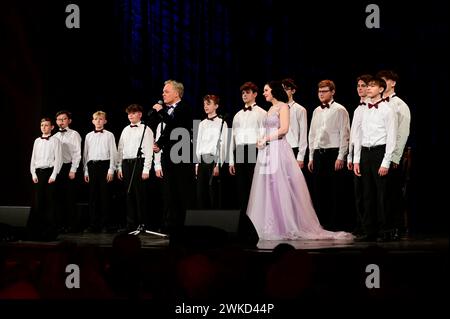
330,128
46,153
71,147
298,128
247,127
355,129
129,144
403,122
100,146
378,127
208,137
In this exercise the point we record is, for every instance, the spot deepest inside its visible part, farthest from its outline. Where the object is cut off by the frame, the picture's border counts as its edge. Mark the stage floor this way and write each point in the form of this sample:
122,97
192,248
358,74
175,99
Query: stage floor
419,244
414,244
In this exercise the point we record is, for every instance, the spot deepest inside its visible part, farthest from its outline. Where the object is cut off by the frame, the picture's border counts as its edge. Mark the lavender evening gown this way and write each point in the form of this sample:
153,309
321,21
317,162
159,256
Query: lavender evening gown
280,206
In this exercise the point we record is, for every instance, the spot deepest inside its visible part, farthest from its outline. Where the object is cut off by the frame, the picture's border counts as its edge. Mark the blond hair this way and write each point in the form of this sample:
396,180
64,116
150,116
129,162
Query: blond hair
99,113
178,86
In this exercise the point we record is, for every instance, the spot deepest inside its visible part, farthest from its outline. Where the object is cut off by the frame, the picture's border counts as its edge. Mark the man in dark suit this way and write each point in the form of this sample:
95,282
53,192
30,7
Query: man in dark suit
175,146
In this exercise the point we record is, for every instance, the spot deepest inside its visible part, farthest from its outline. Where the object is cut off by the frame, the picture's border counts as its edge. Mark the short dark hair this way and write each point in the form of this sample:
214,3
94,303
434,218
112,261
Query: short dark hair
249,86
278,91
134,108
365,78
289,84
68,113
388,74
212,97
46,119
327,83
379,82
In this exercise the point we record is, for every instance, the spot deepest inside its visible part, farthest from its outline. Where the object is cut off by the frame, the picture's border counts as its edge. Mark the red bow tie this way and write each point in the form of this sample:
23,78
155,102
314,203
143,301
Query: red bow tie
375,105
387,98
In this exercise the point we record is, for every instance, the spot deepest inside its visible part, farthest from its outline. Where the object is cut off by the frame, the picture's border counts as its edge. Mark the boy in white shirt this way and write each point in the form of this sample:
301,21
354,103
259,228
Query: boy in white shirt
66,182
210,151
374,147
361,87
397,176
246,129
45,164
329,134
128,150
297,136
99,158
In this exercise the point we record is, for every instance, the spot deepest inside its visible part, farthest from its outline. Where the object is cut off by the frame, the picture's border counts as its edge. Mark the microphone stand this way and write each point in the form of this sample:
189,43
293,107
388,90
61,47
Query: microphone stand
141,227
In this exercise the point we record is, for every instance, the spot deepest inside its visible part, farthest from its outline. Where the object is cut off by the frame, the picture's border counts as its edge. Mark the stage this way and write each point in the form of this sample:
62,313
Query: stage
422,243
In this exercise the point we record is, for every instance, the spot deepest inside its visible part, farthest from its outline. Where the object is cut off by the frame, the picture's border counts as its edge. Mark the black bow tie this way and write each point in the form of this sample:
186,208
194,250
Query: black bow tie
98,131
211,118
45,137
325,105
247,108
63,130
387,98
362,103
375,105
134,125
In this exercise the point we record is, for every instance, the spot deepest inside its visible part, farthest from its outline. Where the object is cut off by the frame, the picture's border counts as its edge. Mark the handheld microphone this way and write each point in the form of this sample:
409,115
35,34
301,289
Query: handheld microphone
153,111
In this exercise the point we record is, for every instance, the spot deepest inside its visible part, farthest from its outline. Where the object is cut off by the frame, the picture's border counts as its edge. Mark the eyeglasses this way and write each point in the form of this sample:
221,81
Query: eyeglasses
323,91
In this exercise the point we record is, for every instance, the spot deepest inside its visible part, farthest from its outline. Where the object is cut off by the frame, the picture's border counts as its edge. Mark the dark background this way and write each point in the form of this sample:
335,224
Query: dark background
125,50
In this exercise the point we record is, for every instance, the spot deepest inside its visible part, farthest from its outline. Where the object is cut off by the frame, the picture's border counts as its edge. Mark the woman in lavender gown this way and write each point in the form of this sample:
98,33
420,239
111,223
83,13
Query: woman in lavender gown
280,206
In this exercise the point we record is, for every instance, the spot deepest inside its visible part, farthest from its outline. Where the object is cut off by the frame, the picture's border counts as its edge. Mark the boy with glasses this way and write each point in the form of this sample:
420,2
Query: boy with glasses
328,144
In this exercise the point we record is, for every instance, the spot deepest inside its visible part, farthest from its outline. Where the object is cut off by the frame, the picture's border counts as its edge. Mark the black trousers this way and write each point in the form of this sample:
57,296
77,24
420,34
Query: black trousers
65,199
328,190
42,219
245,161
208,186
99,194
397,205
295,150
375,191
137,196
177,192
358,202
